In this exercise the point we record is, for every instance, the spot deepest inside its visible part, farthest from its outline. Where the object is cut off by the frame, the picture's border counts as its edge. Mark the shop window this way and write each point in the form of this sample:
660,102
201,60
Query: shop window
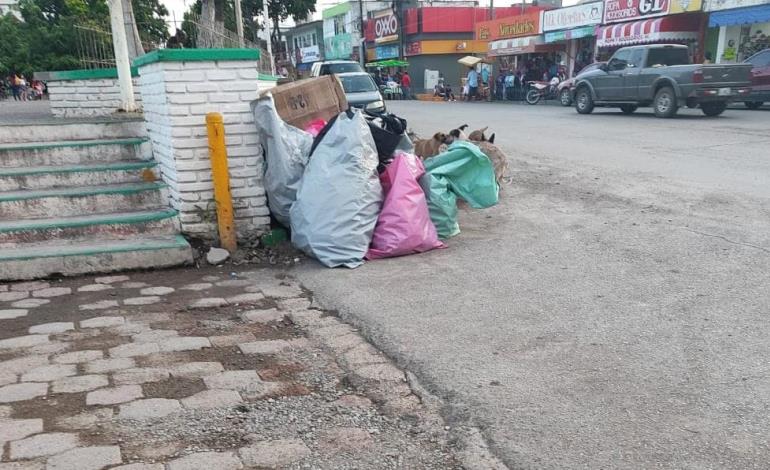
621,59
314,40
636,58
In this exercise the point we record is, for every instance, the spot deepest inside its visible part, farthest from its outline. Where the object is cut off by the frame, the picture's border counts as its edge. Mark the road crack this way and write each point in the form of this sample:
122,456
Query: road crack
721,237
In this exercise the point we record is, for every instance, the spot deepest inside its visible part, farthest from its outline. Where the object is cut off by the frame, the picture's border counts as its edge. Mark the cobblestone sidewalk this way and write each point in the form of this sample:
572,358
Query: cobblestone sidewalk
191,369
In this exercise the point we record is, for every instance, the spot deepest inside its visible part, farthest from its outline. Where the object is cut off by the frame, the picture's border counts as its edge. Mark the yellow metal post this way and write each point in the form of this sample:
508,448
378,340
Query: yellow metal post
219,172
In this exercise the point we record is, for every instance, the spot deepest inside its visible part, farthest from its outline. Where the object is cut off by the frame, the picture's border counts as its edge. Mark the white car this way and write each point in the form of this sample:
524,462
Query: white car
329,67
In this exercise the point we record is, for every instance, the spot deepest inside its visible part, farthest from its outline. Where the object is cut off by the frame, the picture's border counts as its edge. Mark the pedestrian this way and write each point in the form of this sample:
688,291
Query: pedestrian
473,83
16,87
709,58
406,85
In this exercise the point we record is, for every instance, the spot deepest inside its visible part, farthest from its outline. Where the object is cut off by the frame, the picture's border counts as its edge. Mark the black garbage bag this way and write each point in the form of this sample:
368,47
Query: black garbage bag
387,131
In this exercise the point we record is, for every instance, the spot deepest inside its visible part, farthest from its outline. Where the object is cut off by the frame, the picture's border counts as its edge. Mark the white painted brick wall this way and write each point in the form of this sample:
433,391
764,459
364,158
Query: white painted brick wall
94,97
176,97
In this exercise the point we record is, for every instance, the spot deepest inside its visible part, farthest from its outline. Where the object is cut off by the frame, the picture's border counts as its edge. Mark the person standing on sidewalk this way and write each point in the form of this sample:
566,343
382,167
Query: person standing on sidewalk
473,83
406,85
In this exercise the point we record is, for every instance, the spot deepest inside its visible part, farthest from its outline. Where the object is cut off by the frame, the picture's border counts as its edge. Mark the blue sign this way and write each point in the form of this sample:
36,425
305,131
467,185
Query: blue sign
386,52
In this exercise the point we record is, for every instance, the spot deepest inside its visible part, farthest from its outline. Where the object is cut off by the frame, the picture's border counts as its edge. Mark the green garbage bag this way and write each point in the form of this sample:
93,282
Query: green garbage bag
463,171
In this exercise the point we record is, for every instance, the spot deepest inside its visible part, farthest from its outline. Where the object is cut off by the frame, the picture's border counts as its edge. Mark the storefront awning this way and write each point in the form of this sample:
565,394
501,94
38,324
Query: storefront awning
670,28
756,14
525,45
556,36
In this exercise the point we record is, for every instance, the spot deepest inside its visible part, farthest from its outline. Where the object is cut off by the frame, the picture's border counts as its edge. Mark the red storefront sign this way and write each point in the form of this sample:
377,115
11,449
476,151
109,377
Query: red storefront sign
616,11
527,24
413,48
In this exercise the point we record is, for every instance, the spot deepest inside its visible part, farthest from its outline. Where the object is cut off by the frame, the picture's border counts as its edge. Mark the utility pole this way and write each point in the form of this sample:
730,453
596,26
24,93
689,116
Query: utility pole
269,38
122,63
362,54
400,16
491,9
239,22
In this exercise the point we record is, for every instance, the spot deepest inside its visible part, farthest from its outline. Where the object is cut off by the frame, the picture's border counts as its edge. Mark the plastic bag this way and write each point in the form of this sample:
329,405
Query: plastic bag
404,225
315,127
462,171
286,154
387,130
339,196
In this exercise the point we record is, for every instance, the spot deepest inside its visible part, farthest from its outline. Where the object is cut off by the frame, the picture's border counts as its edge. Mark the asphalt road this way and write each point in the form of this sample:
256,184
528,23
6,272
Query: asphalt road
612,310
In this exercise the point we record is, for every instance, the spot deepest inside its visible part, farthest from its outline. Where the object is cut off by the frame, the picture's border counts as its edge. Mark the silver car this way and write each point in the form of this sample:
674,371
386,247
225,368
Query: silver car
361,91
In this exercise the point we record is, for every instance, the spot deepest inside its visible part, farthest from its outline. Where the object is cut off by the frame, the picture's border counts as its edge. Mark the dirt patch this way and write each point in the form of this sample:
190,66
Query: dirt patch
102,342
280,371
176,388
50,407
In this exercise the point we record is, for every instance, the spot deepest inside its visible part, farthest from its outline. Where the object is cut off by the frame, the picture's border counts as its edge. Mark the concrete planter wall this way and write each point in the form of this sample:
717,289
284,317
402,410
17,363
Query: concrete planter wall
178,88
85,93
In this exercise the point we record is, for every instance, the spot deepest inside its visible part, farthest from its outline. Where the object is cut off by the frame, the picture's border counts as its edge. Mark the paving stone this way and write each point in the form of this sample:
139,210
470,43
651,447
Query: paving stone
142,300
6,411
246,382
113,396
50,348
134,349
248,298
206,460
7,378
42,445
100,305
152,336
30,303
158,290
209,399
9,313
129,328
344,439
231,340
209,302
11,296
80,383
274,454
23,364
28,465
235,283
361,355
139,466
274,346
198,286
77,357
29,285
184,343
262,316
110,279
281,291
195,369
133,285
51,328
49,373
52,292
344,343
139,375
149,408
85,420
15,429
101,366
23,341
102,322
210,278
310,318
85,458
383,371
4,287
94,288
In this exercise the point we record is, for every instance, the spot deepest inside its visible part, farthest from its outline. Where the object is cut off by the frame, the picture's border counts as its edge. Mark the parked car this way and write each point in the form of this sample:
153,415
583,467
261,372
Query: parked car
760,79
567,87
329,67
361,91
663,77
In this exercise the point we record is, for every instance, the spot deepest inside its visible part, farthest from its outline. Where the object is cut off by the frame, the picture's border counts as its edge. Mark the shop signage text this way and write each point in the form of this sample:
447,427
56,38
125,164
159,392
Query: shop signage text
716,5
626,10
385,28
511,27
386,52
309,54
573,17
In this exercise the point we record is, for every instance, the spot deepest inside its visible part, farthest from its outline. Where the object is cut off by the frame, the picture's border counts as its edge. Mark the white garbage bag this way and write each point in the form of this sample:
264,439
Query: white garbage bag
340,196
287,149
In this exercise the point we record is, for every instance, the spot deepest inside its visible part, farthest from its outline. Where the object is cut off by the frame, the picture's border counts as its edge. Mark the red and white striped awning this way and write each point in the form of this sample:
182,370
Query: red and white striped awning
679,28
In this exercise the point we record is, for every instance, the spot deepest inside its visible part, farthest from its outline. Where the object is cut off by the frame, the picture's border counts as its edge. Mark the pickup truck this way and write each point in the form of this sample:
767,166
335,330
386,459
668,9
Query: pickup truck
661,76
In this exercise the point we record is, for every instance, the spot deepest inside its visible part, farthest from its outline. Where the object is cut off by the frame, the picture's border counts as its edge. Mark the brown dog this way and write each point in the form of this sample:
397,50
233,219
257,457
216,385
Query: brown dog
497,157
425,148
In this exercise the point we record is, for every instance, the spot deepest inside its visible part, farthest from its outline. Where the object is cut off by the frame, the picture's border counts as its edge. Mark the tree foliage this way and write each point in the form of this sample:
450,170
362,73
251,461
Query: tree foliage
47,38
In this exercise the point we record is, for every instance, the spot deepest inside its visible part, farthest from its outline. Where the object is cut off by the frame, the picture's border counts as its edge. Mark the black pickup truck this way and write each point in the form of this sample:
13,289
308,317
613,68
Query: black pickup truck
661,76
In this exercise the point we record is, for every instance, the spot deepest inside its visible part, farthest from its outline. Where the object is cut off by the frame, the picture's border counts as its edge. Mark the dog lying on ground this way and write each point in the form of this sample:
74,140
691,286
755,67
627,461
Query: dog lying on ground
426,148
478,137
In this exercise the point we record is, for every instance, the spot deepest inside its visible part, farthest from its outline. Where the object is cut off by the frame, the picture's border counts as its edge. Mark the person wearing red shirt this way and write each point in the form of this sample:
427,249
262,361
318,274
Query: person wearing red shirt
406,85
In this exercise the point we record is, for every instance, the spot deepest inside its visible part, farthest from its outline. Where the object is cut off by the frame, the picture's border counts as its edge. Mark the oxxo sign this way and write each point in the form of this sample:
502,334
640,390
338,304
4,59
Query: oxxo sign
625,10
385,28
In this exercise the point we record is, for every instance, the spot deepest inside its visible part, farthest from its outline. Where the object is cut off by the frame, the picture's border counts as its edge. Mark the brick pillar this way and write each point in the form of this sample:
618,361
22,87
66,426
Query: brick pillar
178,87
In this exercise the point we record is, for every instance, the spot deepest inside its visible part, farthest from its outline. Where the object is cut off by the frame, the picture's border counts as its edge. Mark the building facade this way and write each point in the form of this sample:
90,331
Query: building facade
737,29
10,6
305,43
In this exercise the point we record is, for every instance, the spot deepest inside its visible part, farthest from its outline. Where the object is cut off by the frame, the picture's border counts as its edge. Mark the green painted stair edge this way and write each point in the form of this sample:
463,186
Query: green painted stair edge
107,219
72,143
80,192
177,241
44,170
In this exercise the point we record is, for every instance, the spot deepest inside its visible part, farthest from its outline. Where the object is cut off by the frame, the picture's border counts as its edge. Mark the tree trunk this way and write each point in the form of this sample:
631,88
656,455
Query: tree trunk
135,48
206,28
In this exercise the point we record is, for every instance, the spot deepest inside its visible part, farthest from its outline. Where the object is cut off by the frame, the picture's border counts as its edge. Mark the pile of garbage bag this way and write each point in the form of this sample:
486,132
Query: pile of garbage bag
352,189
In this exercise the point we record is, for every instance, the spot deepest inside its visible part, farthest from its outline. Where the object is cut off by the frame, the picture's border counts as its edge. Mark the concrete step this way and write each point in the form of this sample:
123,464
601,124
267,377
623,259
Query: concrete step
20,178
71,129
64,202
73,152
69,259
99,226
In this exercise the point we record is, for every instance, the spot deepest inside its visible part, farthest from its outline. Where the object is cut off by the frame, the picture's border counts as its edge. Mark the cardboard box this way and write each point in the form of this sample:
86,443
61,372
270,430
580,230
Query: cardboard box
301,102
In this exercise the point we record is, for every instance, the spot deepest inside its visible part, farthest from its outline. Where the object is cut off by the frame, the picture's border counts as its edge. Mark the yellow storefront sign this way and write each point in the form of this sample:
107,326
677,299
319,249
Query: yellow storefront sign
684,6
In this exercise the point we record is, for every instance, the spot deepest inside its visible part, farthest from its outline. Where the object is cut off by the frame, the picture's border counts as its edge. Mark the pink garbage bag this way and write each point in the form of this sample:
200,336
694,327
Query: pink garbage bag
404,226
315,127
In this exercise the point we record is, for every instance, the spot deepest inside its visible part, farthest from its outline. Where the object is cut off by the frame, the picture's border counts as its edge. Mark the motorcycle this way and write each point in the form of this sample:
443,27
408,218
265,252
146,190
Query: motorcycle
542,90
